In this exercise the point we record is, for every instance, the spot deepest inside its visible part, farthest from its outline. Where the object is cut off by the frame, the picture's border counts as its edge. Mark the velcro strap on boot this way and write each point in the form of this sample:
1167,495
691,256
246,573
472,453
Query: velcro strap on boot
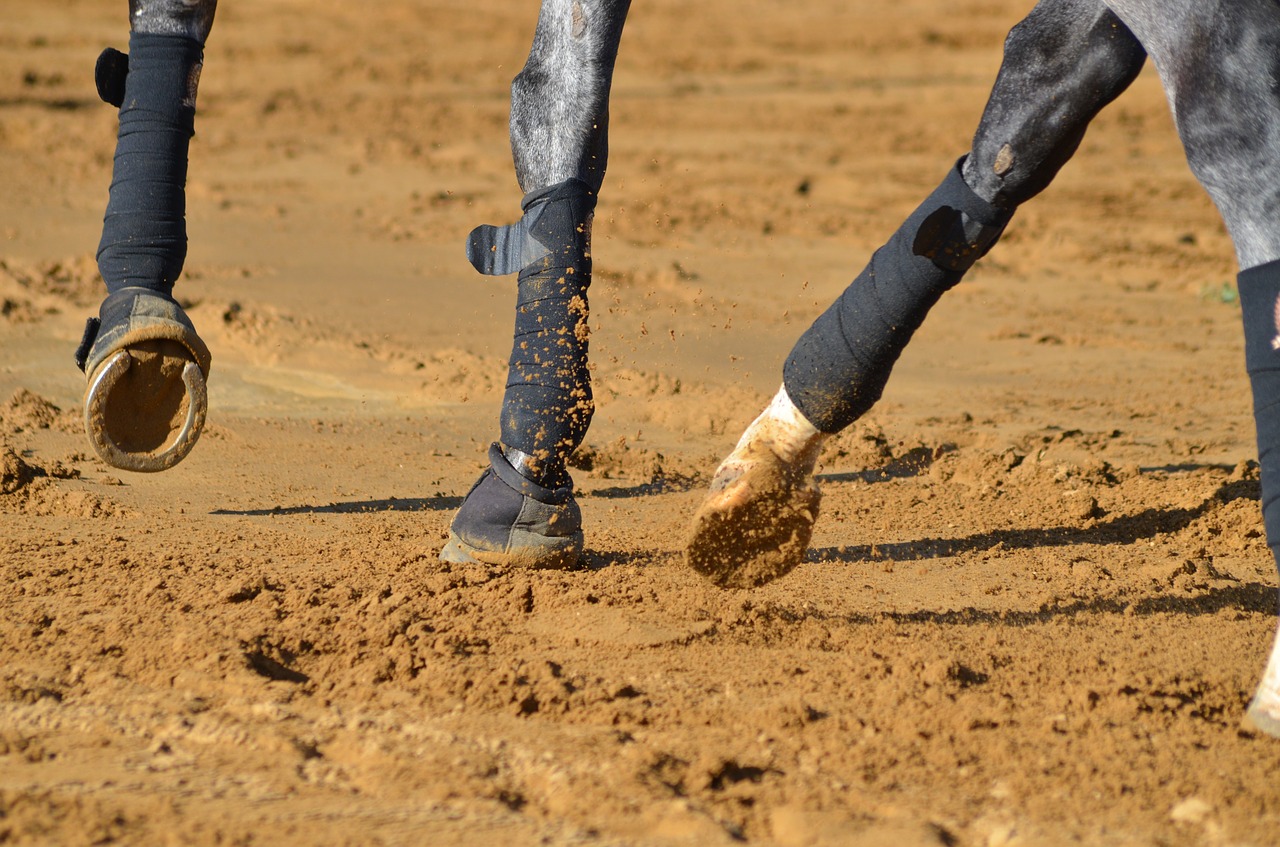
109,75
547,236
953,240
961,230
91,327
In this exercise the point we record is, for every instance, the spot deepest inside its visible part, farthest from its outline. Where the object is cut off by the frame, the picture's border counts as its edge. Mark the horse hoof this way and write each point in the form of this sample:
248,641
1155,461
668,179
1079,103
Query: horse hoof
1263,714
510,521
456,552
754,529
145,406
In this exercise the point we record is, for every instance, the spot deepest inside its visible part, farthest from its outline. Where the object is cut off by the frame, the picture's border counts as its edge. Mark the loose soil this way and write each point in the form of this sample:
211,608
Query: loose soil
1037,598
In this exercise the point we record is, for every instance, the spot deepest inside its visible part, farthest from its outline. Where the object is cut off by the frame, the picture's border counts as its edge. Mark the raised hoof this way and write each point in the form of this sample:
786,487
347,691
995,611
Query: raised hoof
146,402
145,406
755,528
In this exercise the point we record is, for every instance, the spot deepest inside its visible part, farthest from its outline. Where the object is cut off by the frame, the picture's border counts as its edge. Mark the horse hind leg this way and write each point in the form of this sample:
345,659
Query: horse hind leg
522,509
145,404
1218,63
1067,60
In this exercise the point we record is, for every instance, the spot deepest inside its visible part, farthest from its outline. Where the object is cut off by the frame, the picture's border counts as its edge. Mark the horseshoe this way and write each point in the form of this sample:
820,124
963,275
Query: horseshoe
95,409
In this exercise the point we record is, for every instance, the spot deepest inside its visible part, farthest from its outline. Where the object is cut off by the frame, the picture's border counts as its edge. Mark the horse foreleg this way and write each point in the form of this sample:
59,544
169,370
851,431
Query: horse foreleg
1062,64
1219,63
145,404
522,509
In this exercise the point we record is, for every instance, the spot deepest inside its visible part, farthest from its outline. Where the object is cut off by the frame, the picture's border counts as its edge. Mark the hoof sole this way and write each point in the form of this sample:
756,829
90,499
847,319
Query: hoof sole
146,406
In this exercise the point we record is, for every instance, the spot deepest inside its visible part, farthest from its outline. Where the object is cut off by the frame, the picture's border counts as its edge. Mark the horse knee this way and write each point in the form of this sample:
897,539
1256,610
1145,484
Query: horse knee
1062,64
190,18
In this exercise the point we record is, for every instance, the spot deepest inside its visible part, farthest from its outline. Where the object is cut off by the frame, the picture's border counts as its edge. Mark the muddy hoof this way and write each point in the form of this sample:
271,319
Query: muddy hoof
146,401
755,528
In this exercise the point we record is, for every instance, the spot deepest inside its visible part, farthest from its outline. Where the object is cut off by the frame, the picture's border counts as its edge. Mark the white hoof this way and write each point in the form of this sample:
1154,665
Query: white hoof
1264,711
758,517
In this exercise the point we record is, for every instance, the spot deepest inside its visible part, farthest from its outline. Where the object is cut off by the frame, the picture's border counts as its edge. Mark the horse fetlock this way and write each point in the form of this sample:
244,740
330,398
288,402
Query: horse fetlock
190,18
780,435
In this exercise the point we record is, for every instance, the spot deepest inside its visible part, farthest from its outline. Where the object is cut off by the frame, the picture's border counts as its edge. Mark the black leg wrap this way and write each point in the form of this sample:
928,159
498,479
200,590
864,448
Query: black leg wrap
839,367
146,401
548,405
144,234
1260,306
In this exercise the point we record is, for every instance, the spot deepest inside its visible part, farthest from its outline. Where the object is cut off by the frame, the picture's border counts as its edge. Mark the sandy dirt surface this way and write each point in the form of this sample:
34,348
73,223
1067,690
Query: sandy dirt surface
1038,597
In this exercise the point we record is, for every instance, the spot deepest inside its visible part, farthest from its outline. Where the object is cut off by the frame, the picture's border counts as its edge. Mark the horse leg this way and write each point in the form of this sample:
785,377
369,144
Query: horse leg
145,403
1218,62
522,510
1062,64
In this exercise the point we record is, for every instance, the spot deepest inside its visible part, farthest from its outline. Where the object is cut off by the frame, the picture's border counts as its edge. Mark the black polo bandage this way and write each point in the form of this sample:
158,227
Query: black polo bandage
144,234
547,406
839,367
1260,306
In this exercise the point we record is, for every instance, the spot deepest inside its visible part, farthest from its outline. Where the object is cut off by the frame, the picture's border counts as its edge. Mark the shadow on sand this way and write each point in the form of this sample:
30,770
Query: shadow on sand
1125,529
390,504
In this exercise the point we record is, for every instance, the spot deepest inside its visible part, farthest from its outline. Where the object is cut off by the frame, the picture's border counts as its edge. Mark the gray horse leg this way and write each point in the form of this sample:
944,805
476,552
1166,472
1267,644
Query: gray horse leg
522,509
1219,63
1067,60
1062,64
188,18
145,404
560,100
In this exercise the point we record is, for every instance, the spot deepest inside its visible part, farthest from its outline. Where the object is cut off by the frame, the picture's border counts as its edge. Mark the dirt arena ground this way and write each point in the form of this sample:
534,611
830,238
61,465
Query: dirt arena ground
1038,597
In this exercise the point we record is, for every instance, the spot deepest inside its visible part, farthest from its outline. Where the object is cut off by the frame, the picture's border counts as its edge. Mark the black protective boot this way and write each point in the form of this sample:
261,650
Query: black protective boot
508,520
